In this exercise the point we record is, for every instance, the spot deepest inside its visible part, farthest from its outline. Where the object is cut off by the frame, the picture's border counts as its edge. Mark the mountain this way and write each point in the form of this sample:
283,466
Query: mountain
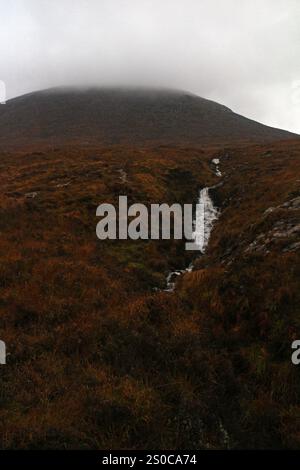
107,116
94,335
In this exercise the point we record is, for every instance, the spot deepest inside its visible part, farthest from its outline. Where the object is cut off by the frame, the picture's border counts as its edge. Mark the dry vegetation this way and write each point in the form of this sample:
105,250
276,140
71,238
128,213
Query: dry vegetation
97,357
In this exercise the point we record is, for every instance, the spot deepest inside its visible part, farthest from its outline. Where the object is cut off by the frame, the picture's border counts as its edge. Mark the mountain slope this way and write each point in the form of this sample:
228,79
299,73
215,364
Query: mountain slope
124,116
100,356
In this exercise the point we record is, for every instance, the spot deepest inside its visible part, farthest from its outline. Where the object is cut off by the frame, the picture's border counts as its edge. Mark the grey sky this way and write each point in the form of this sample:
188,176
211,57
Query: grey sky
242,53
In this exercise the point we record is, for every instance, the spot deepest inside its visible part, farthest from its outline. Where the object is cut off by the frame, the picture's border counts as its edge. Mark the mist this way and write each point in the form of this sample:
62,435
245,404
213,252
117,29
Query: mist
242,54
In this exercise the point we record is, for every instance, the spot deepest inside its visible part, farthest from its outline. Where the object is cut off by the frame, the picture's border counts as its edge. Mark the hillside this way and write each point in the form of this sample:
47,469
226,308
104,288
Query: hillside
100,356
105,116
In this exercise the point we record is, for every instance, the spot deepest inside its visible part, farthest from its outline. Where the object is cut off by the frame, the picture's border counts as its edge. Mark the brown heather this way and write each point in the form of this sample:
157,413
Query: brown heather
97,357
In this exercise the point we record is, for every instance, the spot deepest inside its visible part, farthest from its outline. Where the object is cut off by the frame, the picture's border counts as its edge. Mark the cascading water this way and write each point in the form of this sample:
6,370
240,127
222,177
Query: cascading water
206,215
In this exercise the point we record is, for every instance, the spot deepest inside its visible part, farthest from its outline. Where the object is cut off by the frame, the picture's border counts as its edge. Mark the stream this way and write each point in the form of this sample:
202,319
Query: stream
206,215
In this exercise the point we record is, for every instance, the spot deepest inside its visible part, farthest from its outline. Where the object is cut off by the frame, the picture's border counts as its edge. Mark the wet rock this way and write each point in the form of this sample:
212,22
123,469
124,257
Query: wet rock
292,247
287,231
31,195
63,185
292,204
123,176
269,210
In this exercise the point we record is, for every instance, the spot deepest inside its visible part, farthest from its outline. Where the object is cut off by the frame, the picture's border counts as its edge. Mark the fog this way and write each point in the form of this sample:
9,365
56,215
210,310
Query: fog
244,54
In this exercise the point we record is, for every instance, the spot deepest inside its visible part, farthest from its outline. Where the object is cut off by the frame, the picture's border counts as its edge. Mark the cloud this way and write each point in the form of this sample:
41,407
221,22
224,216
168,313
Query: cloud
240,53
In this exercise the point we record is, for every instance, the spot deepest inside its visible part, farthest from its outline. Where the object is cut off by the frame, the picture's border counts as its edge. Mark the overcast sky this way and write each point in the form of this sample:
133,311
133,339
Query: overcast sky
242,53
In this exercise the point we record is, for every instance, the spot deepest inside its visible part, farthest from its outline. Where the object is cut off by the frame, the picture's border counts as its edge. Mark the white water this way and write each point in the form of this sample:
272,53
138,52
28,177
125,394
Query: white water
216,162
206,215
171,277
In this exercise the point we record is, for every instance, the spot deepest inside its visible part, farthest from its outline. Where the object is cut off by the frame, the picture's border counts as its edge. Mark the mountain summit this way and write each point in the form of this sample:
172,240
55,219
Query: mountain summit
107,116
